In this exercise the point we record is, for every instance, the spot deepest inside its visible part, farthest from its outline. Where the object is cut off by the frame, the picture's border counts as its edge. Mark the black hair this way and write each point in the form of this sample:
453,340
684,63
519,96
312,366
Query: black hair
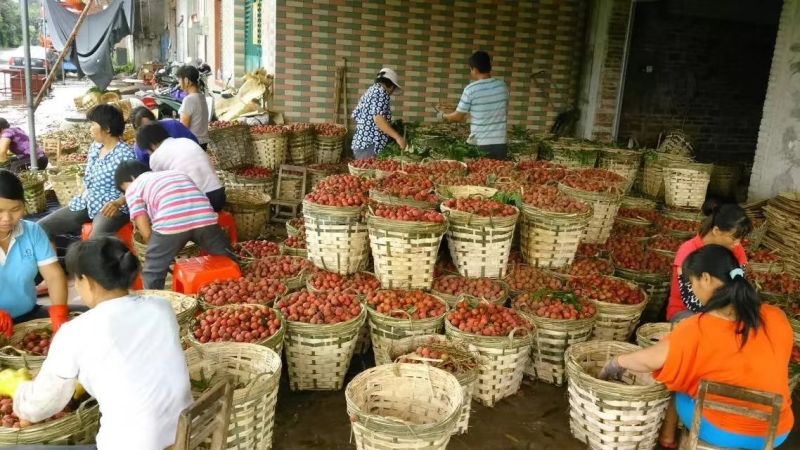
385,81
11,186
718,261
139,113
106,260
128,171
109,118
728,217
4,124
189,72
151,134
481,61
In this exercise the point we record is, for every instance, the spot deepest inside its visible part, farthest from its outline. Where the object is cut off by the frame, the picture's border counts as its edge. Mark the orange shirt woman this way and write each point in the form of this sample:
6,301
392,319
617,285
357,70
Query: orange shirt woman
734,340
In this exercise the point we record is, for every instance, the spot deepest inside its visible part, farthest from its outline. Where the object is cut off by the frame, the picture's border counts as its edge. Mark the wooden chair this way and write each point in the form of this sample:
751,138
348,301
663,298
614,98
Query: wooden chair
289,193
207,418
770,400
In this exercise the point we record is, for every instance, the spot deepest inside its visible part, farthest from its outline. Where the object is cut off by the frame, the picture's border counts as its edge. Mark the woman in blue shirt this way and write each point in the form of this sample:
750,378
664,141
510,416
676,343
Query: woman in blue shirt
101,203
373,116
25,251
141,116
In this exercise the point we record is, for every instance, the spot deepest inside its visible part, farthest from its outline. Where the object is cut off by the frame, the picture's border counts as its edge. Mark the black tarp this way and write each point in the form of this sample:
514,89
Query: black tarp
96,37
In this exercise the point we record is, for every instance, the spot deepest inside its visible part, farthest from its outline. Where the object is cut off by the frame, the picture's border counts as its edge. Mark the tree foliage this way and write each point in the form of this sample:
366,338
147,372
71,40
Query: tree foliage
10,25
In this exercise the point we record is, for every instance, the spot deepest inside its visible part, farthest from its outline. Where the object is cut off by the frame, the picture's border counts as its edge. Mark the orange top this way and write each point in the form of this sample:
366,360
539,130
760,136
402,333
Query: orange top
706,347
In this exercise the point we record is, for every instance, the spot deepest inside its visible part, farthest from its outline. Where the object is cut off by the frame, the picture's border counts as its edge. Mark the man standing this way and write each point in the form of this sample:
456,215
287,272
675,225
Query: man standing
485,99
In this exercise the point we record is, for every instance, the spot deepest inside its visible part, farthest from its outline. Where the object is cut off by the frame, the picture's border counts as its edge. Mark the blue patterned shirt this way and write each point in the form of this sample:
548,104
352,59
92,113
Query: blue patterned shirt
374,102
99,179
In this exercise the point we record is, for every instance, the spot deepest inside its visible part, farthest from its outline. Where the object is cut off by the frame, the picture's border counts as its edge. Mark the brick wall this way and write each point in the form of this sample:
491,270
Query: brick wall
611,72
709,77
536,47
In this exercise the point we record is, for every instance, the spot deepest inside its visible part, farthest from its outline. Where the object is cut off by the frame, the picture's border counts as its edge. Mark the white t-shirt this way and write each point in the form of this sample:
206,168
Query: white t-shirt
196,107
126,353
185,156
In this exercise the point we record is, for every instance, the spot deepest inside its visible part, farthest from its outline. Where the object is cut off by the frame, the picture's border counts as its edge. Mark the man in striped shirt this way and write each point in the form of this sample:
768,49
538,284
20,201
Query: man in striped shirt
485,100
168,210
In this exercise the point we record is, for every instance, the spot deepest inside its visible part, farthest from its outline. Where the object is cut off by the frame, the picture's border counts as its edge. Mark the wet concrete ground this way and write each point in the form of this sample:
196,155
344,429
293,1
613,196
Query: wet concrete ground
536,418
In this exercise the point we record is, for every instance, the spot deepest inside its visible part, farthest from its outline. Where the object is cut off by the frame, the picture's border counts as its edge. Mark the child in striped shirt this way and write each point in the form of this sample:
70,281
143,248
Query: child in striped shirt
168,210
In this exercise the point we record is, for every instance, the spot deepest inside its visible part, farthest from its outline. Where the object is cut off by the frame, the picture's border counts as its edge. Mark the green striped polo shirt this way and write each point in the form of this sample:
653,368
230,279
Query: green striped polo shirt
486,101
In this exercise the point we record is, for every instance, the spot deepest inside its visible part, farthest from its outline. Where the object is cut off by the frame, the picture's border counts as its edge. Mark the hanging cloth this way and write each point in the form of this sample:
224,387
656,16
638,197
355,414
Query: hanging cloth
96,37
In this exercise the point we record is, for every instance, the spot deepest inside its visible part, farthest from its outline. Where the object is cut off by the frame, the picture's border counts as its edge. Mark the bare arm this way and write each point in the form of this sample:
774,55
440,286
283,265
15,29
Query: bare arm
143,225
186,120
386,127
5,148
455,116
646,360
56,282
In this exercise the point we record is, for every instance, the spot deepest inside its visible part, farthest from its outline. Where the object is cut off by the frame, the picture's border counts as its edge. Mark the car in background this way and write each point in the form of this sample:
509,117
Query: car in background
42,60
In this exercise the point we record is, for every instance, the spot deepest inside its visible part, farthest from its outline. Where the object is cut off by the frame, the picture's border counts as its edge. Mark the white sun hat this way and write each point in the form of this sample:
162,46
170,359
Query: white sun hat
390,75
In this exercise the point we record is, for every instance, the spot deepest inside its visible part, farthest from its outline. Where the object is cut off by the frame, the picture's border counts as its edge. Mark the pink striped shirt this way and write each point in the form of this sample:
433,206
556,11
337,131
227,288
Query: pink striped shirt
171,200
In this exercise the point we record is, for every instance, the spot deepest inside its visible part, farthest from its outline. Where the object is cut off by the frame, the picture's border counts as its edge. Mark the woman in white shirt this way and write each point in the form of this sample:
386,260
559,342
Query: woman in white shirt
125,351
194,108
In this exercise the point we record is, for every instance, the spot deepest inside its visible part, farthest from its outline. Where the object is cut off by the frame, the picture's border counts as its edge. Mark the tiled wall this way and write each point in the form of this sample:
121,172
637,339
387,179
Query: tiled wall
536,47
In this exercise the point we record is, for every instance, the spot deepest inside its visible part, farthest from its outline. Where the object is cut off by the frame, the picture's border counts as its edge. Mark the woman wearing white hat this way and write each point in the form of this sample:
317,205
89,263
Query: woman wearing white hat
373,115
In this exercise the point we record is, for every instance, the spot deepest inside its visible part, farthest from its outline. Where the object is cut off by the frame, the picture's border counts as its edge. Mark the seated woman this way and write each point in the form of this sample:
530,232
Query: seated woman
141,116
734,340
101,203
168,211
182,155
15,143
125,351
24,252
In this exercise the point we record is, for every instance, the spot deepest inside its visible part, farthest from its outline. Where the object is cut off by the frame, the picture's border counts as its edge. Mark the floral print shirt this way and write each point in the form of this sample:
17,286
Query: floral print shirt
99,179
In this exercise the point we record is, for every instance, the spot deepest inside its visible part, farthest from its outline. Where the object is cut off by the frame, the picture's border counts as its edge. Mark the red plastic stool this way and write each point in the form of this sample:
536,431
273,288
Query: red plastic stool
125,234
190,274
228,225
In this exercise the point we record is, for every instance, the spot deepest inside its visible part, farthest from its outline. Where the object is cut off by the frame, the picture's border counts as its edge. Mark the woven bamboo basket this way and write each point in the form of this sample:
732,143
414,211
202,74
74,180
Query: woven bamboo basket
292,251
756,236
653,172
79,427
685,185
183,305
575,157
264,185
318,356
231,146
637,203
770,267
479,246
452,300
403,407
616,322
385,330
612,415
794,320
502,359
402,350
551,239
315,175
464,191
255,372
11,354
523,150
66,183
336,237
637,221
33,185
274,342
655,285
301,147
269,149
361,172
329,149
250,210
622,162
677,142
551,339
724,179
382,197
292,283
404,253
650,333
604,212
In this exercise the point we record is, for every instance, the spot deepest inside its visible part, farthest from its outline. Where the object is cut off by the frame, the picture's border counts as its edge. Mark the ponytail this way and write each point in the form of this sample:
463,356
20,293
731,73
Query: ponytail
728,217
720,263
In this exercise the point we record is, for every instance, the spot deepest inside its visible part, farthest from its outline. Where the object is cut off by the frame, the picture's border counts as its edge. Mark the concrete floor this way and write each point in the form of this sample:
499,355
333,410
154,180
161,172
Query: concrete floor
536,418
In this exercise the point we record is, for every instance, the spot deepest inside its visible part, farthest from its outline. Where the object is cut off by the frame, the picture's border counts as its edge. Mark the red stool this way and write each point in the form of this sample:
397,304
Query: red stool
125,234
228,225
190,274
